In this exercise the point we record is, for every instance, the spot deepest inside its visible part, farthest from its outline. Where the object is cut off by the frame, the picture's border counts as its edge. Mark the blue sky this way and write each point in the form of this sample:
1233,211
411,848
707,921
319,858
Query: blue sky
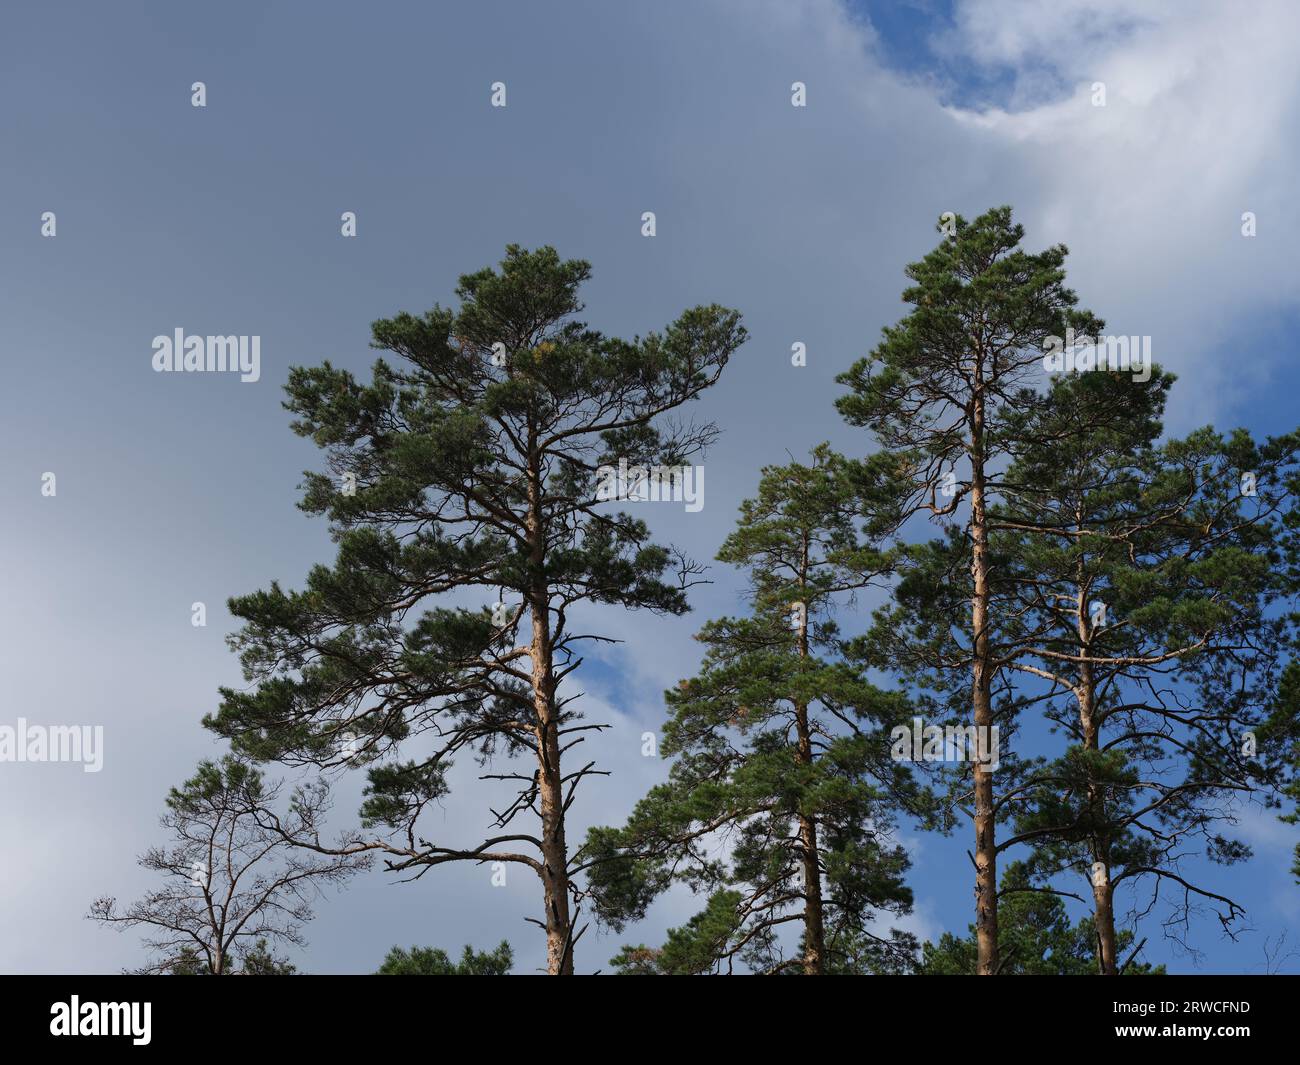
181,488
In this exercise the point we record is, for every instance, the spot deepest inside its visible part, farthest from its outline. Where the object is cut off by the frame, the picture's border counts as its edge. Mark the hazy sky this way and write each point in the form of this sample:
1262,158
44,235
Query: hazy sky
176,488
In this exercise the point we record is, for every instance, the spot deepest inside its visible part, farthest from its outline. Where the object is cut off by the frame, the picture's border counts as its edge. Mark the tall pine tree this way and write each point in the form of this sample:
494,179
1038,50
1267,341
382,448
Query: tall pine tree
1135,575
464,494
939,394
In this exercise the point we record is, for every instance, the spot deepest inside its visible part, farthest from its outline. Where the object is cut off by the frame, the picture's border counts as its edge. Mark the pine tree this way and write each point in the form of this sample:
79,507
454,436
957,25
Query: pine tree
256,960
781,750
1135,574
1281,734
466,501
431,961
939,395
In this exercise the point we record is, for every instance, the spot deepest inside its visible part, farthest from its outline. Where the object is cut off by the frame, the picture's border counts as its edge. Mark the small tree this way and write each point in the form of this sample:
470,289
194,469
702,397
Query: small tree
257,960
430,961
234,887
782,753
1037,938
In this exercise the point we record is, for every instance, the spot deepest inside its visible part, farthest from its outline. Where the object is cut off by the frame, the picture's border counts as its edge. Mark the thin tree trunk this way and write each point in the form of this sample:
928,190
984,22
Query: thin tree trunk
986,858
1099,874
814,957
1104,914
1102,892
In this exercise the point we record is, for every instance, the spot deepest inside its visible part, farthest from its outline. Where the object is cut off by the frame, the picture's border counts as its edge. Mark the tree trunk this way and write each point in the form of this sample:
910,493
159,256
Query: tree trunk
814,955
1099,874
1090,724
1104,918
555,855
550,780
986,857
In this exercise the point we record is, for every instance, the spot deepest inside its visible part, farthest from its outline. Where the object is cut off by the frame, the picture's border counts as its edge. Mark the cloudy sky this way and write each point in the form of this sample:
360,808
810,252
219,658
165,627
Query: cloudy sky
175,488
